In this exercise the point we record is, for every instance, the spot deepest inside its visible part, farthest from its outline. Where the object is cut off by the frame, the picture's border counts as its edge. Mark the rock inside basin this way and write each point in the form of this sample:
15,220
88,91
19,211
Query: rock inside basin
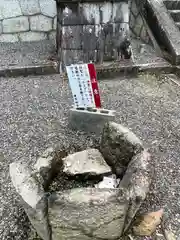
89,161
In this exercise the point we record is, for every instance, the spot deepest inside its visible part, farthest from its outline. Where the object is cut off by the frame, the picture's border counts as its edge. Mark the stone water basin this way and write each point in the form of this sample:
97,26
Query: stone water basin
62,196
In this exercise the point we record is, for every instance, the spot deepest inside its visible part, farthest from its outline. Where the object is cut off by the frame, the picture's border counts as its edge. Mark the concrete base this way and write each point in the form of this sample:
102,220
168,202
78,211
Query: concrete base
90,120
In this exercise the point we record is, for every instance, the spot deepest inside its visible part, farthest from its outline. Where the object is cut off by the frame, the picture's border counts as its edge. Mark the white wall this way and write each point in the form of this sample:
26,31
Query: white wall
27,20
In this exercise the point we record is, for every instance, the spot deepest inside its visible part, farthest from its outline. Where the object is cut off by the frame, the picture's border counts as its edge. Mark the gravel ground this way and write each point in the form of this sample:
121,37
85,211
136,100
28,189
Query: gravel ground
24,54
33,116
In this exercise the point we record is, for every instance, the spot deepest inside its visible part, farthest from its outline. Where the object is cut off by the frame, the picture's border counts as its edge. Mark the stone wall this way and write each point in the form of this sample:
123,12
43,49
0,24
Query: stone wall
34,20
137,24
91,31
27,20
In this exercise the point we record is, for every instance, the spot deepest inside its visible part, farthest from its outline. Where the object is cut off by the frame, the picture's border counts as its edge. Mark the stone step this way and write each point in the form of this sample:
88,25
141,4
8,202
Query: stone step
172,5
166,31
175,14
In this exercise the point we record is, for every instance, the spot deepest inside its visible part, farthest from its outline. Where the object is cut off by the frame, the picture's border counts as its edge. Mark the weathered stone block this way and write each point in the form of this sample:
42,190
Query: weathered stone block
84,213
90,35
55,23
136,182
48,7
89,162
71,37
120,12
25,185
118,146
32,36
91,12
106,9
138,25
32,197
46,167
106,41
91,120
121,29
132,22
134,8
144,35
9,38
52,36
9,9
69,17
91,55
1,27
41,23
15,25
110,230
70,57
30,7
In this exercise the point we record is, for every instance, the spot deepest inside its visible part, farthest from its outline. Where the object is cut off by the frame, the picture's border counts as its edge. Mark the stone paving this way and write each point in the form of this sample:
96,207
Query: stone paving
33,116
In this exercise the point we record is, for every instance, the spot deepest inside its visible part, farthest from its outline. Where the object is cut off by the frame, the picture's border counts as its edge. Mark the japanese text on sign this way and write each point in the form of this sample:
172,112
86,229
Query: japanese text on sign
84,86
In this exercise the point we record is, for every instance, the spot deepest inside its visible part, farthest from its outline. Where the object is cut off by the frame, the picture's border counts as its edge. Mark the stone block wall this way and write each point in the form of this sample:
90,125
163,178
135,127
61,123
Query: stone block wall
34,20
137,25
27,20
91,31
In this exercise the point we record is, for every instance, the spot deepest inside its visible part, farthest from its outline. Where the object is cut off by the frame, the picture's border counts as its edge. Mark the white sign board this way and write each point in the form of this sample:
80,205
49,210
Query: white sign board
83,83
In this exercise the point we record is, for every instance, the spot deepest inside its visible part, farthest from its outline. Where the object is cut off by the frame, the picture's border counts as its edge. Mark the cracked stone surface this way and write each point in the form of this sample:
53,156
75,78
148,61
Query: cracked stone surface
32,36
96,213
34,18
30,7
12,38
33,113
0,27
48,7
89,161
118,145
9,12
40,23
